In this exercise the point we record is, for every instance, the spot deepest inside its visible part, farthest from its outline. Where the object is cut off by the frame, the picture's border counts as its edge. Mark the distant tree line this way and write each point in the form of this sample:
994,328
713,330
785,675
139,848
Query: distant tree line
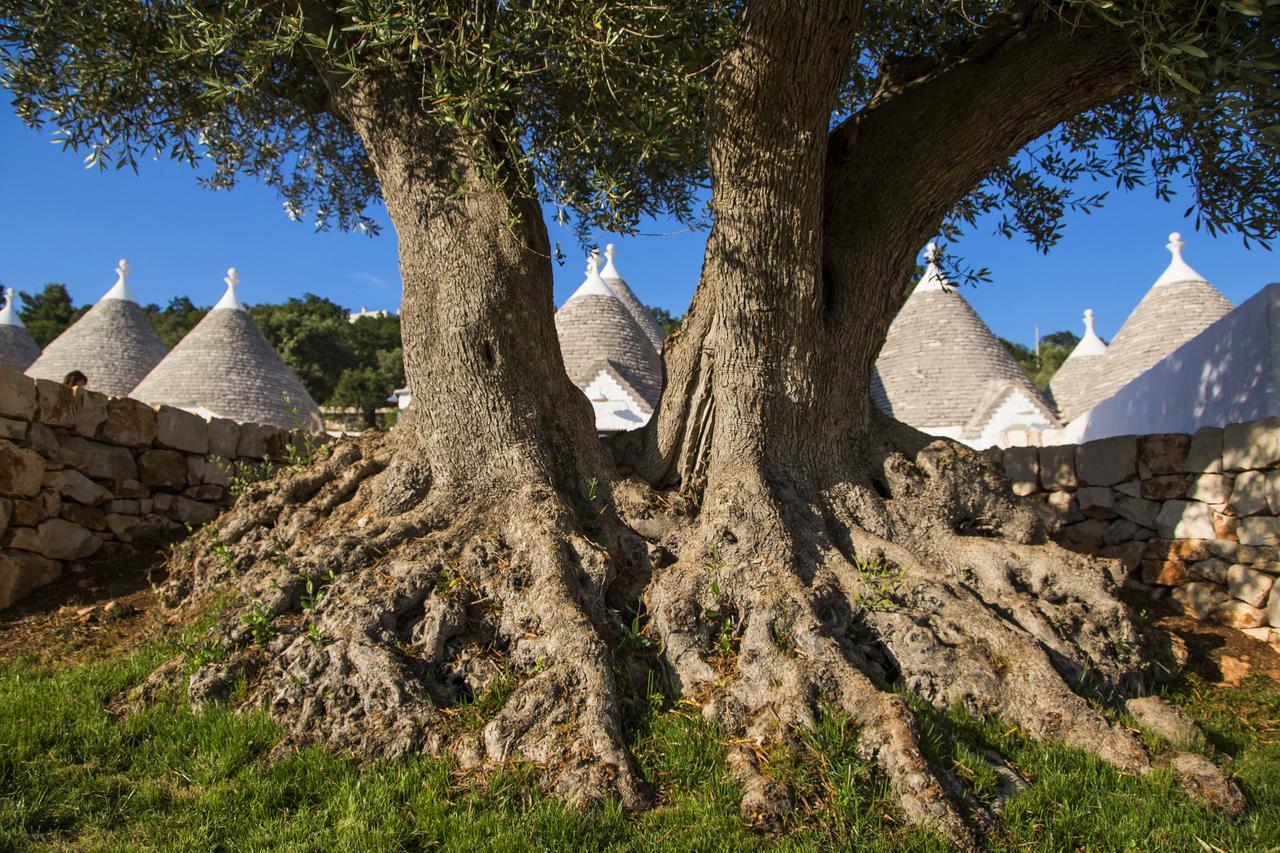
1054,349
352,365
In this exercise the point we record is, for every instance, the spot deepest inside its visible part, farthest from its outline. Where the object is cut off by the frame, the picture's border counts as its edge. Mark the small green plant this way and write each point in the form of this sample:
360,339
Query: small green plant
316,589
588,513
258,621
316,635
633,635
204,654
726,636
243,474
223,554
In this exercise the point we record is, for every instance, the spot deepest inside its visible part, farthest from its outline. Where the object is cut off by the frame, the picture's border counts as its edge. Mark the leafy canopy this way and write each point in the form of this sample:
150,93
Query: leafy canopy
593,102
598,104
48,313
1205,108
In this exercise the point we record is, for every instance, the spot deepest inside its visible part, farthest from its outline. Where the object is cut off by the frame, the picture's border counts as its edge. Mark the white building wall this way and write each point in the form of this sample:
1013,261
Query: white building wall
1229,373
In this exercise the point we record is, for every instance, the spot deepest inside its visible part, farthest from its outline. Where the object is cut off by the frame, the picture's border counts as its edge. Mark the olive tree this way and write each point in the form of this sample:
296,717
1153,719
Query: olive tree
770,546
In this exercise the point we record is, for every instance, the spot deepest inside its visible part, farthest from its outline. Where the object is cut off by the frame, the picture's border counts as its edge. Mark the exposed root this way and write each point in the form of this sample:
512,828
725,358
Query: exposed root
787,608
378,617
377,613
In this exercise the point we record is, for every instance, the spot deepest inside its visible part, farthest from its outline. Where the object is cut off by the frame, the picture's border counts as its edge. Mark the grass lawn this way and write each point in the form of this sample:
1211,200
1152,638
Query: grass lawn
72,776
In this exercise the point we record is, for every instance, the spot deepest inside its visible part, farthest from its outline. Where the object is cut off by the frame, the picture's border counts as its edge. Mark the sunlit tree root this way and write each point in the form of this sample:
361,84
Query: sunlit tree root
783,609
376,613
385,634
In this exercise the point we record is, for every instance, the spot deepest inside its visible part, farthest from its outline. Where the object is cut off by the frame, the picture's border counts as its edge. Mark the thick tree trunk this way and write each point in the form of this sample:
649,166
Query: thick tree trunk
491,397
843,547
472,550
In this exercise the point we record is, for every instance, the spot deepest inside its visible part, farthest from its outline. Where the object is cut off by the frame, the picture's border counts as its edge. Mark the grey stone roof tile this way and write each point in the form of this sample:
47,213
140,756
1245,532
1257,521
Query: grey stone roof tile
594,328
113,345
1171,314
225,366
940,362
17,348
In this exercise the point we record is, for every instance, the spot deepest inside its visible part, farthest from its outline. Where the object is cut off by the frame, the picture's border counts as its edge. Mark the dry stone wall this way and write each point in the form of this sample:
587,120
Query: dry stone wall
1195,518
85,477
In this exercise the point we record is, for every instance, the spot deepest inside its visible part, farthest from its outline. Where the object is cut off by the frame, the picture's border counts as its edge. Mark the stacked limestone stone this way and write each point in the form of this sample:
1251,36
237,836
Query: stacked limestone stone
1198,515
83,475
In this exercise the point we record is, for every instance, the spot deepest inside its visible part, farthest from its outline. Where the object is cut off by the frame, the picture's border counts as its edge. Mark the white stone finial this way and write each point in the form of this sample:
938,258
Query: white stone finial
609,270
1090,344
1178,269
593,285
120,290
9,313
230,299
932,279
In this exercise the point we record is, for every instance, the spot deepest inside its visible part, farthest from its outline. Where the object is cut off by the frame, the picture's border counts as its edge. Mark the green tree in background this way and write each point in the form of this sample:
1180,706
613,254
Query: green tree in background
668,321
174,320
1054,349
375,346
311,335
48,312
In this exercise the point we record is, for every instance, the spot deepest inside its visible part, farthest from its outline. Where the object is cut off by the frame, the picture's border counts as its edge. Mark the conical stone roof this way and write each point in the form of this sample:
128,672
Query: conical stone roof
225,367
17,348
595,327
644,319
113,344
1077,376
940,363
1179,306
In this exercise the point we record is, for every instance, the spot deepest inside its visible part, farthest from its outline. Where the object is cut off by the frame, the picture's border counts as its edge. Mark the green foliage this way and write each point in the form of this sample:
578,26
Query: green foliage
668,321
48,313
1206,108
174,320
1054,349
603,96
258,620
311,335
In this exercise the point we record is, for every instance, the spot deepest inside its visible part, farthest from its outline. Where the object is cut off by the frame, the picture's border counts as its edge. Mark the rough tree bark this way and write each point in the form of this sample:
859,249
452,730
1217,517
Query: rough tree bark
849,551
406,575
795,553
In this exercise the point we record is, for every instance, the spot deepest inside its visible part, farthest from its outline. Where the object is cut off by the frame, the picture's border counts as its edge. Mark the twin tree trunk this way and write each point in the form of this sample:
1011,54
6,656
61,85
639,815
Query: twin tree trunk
770,546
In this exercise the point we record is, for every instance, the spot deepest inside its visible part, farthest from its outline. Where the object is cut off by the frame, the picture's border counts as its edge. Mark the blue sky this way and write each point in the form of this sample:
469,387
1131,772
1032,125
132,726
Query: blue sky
61,222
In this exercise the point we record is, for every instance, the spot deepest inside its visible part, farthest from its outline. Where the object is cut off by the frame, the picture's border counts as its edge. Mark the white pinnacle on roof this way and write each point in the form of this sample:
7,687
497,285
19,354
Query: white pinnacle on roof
113,344
230,299
644,318
9,313
1090,344
593,285
933,279
17,348
1178,269
1073,385
120,290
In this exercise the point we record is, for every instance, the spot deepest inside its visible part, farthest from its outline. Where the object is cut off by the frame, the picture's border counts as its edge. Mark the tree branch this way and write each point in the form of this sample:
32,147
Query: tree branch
925,141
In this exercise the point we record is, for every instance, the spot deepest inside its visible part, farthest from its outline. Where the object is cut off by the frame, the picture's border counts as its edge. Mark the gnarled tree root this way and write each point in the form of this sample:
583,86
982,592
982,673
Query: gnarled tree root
377,613
930,579
376,624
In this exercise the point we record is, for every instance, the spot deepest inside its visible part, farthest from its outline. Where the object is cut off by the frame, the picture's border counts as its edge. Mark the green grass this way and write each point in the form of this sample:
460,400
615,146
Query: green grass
73,776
